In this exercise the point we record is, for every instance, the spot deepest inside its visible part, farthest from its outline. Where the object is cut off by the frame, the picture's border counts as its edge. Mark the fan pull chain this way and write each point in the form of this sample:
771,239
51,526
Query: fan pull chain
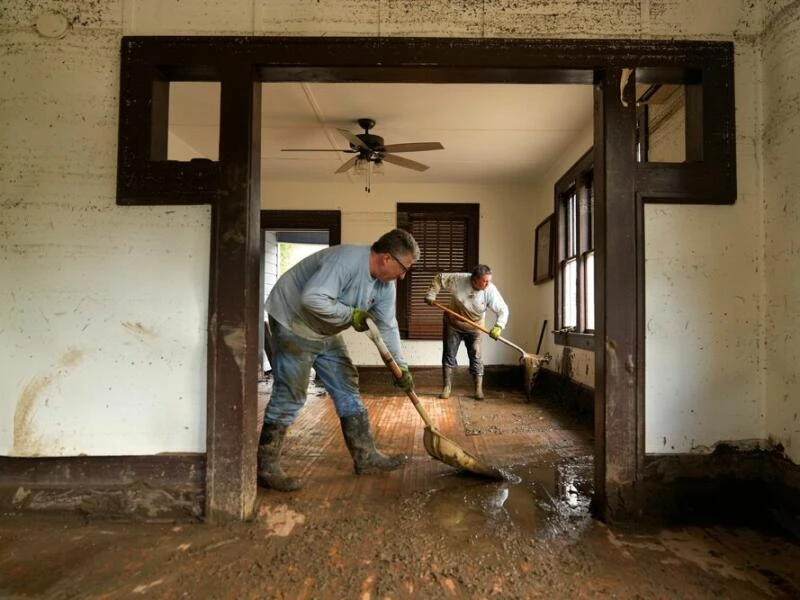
368,187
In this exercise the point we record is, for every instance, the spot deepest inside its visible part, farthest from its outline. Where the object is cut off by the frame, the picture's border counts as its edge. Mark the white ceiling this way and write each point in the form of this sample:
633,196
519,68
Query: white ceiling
491,133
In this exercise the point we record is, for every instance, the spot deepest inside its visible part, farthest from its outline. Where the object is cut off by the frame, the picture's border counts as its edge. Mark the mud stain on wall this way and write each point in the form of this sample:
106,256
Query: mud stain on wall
26,442
139,331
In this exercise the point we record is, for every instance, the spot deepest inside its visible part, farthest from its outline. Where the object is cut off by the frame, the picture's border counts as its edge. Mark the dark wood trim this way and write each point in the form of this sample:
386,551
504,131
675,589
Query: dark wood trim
619,284
235,320
148,62
142,488
230,185
578,176
686,488
709,174
171,469
329,220
546,228
574,339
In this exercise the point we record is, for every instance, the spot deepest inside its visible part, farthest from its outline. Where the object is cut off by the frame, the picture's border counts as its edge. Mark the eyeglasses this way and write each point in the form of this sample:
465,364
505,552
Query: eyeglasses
402,266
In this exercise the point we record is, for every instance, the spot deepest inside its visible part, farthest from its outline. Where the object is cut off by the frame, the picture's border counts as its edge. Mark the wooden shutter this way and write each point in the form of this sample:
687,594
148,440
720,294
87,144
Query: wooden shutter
447,235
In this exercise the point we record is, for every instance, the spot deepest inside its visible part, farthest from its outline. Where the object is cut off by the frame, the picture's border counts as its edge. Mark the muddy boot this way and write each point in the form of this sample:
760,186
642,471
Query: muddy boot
270,474
447,382
359,440
478,379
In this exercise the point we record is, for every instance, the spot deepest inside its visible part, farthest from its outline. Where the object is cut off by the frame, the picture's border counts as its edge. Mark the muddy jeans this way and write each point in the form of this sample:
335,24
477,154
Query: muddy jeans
292,359
453,338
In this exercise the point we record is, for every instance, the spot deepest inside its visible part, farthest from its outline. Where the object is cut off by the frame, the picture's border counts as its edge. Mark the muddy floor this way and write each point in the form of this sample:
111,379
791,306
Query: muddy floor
424,531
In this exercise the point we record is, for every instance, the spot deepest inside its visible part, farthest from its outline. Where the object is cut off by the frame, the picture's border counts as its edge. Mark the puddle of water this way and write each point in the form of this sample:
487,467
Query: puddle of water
543,501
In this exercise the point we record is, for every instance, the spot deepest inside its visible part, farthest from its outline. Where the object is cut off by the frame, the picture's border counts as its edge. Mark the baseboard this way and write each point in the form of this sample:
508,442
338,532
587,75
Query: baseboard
575,397
153,488
752,487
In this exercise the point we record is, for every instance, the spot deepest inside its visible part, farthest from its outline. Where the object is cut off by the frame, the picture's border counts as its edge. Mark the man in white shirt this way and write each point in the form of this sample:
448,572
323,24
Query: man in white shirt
471,295
311,304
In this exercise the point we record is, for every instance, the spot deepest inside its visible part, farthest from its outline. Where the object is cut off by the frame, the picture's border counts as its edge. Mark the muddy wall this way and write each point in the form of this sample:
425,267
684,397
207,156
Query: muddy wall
104,307
703,378
576,364
780,89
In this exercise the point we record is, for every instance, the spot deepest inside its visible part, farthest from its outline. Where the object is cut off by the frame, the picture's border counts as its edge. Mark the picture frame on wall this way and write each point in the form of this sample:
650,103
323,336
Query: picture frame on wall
544,251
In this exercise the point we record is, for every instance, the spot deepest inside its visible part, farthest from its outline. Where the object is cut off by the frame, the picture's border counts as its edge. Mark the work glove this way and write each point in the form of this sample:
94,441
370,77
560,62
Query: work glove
429,300
359,319
405,382
495,331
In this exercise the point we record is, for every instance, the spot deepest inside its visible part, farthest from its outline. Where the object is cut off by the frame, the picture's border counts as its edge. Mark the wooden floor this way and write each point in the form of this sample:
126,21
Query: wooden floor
503,430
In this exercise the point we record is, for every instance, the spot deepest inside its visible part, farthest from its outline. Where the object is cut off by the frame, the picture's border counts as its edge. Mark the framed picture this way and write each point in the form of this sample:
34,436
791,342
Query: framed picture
544,251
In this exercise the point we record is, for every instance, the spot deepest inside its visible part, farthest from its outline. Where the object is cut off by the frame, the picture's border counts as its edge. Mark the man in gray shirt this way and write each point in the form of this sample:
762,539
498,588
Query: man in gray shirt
309,307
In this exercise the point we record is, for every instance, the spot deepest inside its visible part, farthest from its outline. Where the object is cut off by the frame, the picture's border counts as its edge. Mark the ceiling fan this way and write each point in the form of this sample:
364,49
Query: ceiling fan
369,149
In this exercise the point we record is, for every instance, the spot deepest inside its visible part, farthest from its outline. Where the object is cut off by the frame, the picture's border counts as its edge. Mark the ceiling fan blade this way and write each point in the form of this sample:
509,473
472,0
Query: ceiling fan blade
351,137
404,162
315,150
413,147
346,166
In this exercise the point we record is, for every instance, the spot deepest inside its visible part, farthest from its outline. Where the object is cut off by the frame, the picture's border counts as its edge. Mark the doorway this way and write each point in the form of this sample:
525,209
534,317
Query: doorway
231,186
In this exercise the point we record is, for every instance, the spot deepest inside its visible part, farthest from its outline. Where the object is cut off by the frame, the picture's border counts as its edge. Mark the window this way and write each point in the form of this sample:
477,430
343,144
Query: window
574,300
447,235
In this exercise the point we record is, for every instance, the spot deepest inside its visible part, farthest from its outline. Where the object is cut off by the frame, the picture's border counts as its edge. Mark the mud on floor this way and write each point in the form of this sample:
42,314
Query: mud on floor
423,531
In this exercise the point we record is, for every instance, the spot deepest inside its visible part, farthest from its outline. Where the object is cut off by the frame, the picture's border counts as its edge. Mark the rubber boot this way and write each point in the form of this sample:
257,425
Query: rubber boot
361,444
270,474
447,382
478,379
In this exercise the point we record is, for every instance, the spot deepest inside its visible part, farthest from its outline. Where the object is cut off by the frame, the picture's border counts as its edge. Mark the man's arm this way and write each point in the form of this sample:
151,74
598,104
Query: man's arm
385,318
433,289
498,306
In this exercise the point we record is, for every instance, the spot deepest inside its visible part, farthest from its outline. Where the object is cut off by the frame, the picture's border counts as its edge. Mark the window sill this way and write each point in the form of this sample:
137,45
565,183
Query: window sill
574,339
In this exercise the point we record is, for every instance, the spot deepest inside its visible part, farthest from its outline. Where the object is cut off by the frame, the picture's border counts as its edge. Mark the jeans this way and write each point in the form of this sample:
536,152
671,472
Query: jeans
293,357
453,338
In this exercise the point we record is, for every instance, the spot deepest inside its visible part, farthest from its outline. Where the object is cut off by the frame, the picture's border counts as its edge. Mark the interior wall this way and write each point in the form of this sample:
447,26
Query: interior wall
574,363
504,215
104,308
104,328
781,205
704,381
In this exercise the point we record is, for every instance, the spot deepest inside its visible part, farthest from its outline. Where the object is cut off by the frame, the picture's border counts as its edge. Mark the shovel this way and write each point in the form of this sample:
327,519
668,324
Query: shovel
437,445
531,362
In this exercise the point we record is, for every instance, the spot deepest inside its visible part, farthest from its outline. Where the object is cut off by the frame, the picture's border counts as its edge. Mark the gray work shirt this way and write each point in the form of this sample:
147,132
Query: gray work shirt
315,298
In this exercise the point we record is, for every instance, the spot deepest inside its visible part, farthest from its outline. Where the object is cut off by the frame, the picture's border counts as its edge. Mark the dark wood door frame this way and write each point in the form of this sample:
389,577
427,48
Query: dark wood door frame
231,186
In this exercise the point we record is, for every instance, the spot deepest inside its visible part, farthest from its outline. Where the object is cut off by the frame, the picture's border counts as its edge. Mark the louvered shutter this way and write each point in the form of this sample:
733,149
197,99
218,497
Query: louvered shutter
447,237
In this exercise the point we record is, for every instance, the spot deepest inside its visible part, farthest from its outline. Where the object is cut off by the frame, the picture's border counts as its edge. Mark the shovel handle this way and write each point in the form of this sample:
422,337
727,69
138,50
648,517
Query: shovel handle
388,359
477,326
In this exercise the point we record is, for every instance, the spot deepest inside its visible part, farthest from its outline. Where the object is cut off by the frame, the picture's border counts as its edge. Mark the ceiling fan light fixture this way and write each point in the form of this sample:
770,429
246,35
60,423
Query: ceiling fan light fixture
370,152
366,168
363,166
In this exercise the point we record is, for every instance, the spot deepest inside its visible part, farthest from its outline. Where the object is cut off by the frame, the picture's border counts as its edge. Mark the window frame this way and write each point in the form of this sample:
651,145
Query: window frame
407,213
578,181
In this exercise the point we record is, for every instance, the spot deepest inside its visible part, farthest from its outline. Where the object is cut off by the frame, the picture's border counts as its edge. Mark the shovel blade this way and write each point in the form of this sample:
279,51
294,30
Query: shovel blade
450,453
